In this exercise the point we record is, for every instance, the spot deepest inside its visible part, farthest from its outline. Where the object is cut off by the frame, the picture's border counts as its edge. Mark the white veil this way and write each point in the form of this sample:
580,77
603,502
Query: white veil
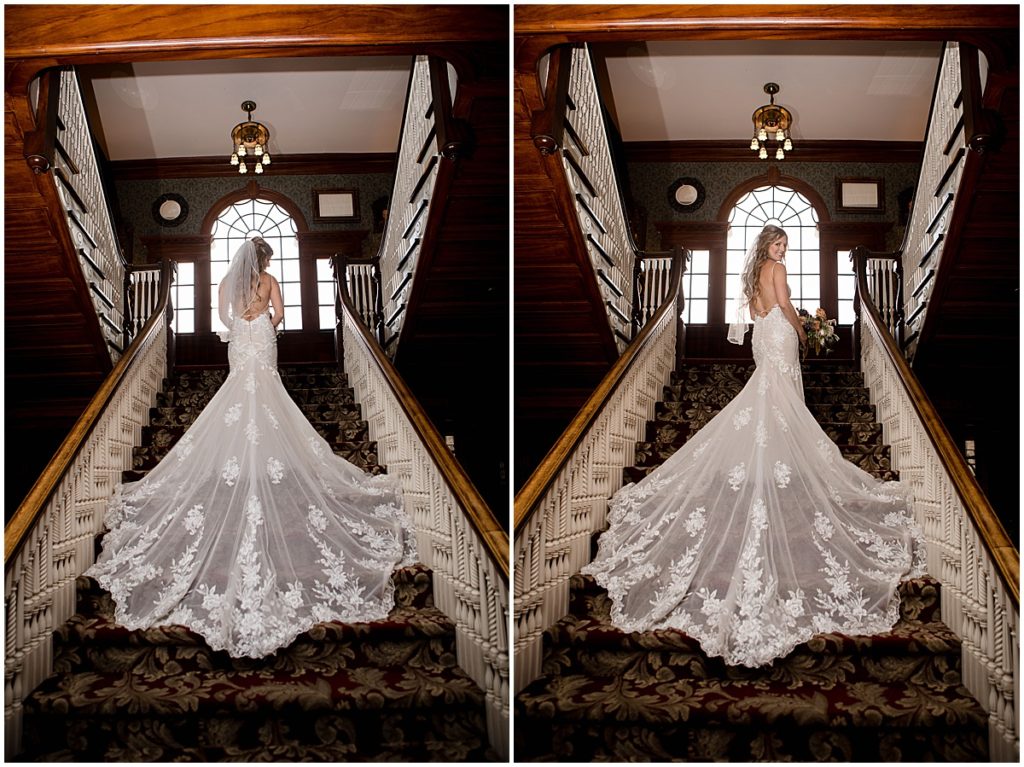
238,287
740,321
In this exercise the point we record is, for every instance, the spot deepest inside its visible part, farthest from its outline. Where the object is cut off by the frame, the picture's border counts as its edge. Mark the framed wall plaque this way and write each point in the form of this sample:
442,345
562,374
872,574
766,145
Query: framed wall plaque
335,205
860,195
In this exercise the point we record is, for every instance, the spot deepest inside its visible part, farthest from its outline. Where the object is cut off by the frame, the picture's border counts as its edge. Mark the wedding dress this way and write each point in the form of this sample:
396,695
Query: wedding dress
757,534
251,530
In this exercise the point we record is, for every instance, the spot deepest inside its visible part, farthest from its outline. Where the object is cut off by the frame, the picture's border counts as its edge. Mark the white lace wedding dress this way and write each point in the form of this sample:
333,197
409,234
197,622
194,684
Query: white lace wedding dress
251,530
757,534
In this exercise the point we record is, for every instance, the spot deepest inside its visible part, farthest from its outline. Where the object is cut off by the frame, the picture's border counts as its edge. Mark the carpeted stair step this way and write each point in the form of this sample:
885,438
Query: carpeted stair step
918,649
663,717
840,433
92,641
407,712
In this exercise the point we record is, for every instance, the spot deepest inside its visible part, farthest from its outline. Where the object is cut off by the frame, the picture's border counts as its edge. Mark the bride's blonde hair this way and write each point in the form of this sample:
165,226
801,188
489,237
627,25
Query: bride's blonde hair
755,258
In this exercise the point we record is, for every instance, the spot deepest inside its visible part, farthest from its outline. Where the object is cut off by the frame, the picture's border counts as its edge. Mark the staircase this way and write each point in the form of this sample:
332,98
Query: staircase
387,690
605,695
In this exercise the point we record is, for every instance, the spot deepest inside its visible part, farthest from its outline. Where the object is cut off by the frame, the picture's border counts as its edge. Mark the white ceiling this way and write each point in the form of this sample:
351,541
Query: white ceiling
679,91
187,109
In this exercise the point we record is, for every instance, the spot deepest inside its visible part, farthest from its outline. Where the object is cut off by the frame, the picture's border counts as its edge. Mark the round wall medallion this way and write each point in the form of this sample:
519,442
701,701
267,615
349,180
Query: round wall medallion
170,209
686,195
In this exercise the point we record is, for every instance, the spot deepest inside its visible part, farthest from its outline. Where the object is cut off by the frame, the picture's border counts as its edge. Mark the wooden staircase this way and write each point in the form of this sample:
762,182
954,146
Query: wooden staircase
386,690
970,336
607,695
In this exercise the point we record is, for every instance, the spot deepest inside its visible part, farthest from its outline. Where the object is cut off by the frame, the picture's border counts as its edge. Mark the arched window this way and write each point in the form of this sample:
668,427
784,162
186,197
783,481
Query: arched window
792,211
251,218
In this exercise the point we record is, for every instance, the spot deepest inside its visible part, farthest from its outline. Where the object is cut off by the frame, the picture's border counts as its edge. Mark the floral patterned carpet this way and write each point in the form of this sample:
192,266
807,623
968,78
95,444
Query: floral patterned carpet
605,695
389,690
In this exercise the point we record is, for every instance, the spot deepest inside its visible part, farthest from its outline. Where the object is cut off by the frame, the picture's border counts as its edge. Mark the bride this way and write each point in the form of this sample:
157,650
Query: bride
757,534
251,530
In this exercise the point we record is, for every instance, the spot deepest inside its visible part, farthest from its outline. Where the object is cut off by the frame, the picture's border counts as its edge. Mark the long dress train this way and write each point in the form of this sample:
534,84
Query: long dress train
757,534
251,530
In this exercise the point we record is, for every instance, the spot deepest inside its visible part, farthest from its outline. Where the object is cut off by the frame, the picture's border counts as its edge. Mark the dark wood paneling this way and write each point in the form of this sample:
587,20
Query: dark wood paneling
284,165
803,151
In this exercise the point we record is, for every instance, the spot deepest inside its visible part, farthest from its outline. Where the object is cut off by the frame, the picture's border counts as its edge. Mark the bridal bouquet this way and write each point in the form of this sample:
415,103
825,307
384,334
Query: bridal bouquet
821,331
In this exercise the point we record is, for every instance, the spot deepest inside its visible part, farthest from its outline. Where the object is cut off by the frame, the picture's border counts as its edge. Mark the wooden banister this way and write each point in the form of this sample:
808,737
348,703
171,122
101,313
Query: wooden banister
34,503
979,510
528,496
478,512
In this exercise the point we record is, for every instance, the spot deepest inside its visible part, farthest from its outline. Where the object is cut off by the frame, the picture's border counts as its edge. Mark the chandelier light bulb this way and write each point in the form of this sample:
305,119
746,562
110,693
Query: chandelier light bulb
763,154
779,135
779,154
753,144
242,168
788,146
241,150
762,134
265,159
234,159
259,167
259,150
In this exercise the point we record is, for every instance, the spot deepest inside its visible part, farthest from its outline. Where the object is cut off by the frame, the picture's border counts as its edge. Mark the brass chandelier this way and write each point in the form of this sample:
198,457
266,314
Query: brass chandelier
771,123
249,139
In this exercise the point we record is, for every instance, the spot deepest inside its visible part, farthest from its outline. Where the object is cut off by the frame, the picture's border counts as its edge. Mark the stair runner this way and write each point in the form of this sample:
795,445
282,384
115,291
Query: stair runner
387,690
605,695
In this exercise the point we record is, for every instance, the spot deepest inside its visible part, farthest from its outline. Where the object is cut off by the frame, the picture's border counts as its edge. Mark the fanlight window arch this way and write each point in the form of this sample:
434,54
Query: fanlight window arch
793,212
258,218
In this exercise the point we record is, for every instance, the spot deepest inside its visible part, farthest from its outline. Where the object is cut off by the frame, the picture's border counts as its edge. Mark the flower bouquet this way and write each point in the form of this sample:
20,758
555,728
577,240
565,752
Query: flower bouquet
821,331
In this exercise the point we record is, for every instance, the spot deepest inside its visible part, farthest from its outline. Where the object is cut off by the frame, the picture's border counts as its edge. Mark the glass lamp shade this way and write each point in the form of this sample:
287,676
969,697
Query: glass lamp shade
763,154
259,150
234,159
762,134
788,145
241,150
242,168
753,144
779,154
259,167
265,160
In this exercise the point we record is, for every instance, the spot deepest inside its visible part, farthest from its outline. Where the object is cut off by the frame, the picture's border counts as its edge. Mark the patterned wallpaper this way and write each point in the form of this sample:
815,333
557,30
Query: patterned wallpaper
136,201
649,183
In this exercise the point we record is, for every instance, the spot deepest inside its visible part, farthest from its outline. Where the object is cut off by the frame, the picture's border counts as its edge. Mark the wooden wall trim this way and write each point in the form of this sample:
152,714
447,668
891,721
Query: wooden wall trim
738,150
992,28
325,244
284,165
152,32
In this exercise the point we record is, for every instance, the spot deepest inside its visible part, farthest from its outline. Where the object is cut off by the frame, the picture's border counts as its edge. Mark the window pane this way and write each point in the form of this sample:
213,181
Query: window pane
325,293
846,315
846,286
698,311
699,286
809,286
186,273
324,272
327,318
291,271
185,321
811,261
292,293
186,299
734,261
699,262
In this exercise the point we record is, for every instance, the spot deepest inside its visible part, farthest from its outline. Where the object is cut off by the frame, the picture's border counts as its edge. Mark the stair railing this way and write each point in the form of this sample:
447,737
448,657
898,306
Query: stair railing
426,150
80,190
565,501
458,536
142,285
50,540
572,124
969,551
361,283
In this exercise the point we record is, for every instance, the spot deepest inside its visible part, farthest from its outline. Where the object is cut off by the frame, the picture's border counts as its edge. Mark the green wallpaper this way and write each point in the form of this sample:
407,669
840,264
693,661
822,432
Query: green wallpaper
136,198
649,183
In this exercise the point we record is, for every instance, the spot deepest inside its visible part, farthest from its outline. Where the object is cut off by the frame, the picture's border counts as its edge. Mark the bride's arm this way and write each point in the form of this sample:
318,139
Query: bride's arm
276,301
782,296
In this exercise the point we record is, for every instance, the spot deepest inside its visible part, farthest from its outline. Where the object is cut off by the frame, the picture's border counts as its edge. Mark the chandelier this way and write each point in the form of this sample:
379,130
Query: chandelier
771,123
250,139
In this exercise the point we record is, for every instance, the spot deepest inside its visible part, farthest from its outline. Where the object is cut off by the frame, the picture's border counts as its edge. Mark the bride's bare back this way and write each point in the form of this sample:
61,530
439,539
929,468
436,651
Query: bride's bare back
268,292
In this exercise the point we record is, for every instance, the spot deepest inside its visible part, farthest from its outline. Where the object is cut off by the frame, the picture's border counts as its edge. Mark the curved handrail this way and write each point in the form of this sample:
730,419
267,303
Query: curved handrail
479,513
34,503
980,511
528,496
